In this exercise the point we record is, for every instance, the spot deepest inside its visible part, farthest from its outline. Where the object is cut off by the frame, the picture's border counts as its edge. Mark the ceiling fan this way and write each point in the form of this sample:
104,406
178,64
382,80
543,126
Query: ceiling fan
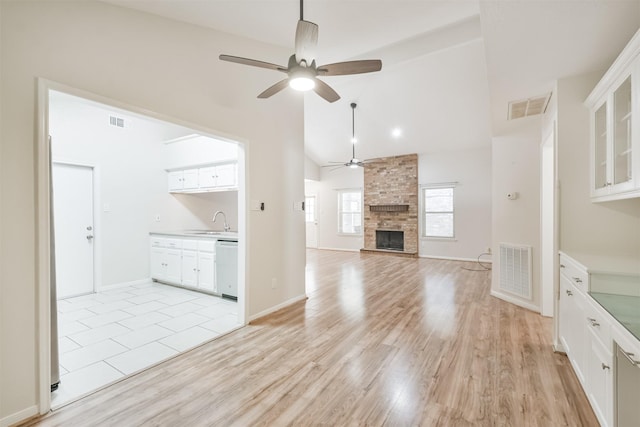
302,71
353,163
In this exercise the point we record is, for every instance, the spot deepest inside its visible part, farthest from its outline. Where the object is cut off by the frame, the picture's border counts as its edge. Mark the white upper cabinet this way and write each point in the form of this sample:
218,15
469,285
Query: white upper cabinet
615,128
209,178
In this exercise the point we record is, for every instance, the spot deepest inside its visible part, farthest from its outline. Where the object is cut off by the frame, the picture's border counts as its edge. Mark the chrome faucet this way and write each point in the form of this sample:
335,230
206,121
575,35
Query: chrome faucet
226,226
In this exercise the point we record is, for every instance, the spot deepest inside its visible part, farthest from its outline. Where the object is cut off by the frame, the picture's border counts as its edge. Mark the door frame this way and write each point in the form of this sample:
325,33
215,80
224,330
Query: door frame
315,197
549,232
43,217
97,225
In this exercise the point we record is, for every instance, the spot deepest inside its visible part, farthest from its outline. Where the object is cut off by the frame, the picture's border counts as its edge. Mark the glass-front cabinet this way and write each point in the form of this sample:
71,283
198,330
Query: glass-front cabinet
615,128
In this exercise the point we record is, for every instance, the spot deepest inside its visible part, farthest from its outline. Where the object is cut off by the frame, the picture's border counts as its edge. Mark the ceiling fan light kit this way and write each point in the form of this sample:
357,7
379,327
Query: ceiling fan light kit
302,71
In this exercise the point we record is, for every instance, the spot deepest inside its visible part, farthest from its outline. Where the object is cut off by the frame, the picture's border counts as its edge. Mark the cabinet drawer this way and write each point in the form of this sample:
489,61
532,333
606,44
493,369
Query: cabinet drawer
174,243
158,242
206,245
191,245
598,323
574,272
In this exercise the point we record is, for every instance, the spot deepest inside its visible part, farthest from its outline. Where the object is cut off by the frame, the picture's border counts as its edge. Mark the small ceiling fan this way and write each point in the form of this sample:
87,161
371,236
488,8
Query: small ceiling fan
302,71
353,163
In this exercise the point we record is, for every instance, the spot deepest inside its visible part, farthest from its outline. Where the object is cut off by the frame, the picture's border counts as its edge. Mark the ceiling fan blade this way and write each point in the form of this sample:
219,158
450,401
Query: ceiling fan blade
325,91
282,84
306,41
252,62
350,67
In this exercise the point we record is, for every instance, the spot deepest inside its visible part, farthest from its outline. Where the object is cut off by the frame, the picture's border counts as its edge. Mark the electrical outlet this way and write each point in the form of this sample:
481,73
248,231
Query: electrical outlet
488,250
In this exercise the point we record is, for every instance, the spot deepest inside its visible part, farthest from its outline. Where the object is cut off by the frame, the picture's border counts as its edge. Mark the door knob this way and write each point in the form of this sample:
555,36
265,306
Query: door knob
89,228
89,237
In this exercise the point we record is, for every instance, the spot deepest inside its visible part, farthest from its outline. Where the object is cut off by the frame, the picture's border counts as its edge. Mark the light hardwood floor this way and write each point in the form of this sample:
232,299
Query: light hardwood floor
382,340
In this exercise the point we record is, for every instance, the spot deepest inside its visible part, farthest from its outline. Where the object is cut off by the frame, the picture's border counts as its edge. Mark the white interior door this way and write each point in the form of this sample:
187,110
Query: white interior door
311,218
73,223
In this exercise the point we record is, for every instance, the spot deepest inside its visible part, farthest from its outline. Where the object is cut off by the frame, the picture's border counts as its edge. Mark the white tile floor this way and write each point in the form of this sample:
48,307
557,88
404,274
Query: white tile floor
108,335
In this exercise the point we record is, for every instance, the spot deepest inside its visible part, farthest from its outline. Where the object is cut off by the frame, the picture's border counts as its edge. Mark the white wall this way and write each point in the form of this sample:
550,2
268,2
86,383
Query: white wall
327,206
609,228
516,168
197,150
160,66
130,167
311,169
472,198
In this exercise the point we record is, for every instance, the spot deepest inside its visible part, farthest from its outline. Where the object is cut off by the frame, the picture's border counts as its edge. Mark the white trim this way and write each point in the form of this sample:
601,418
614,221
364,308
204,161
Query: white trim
43,203
18,417
339,249
278,307
515,301
455,258
123,284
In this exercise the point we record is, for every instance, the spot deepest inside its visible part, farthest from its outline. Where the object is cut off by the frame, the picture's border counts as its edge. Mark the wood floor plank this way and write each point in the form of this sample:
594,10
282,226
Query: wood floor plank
381,340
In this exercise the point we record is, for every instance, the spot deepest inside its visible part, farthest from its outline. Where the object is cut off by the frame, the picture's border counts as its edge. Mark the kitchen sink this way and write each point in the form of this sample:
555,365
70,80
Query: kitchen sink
211,233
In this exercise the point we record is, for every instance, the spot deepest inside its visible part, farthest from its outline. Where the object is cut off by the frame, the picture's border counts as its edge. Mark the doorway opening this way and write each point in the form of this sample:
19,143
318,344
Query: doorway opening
114,207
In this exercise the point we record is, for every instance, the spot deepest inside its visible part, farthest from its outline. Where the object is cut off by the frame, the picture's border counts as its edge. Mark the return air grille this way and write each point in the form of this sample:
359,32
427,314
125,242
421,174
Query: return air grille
515,270
528,107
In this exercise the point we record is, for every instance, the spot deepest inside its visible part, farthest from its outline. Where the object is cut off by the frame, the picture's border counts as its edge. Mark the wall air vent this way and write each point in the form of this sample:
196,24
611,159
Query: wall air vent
515,270
528,107
116,121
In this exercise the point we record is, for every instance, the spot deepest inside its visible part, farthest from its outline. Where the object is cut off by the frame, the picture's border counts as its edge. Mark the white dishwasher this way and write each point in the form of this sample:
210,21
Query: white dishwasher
227,268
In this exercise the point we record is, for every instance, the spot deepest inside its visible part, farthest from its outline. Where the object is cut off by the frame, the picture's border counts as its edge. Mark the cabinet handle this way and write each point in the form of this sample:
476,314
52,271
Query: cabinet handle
562,266
569,293
605,366
577,279
629,357
591,319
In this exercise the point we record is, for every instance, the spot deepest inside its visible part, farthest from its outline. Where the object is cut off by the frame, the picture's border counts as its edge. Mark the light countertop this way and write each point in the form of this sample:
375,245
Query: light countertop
208,234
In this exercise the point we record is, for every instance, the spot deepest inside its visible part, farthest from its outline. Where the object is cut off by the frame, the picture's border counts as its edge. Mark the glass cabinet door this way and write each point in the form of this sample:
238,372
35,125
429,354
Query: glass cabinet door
621,161
600,164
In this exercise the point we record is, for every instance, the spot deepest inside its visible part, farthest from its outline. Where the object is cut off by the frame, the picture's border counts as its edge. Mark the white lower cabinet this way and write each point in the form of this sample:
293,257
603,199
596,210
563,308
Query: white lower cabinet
572,327
165,260
600,375
192,266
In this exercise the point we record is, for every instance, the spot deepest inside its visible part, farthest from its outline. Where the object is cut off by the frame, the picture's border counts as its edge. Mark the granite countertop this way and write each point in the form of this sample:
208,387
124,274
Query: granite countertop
624,308
211,234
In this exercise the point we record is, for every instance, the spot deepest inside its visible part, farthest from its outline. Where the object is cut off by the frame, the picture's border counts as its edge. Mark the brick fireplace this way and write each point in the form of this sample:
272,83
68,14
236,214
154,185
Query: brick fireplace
391,205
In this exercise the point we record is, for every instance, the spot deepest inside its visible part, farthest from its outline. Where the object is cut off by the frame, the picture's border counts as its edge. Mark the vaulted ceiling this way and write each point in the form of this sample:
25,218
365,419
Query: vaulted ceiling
449,67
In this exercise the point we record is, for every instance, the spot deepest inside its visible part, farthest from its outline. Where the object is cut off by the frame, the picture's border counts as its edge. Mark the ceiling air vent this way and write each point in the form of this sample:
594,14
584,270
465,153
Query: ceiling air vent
116,121
528,107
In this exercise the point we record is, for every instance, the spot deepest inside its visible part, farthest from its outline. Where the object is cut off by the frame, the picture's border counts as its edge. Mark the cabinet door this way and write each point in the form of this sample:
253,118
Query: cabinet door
156,263
206,270
600,387
601,181
227,176
621,162
175,181
577,334
190,269
564,313
173,266
207,177
190,179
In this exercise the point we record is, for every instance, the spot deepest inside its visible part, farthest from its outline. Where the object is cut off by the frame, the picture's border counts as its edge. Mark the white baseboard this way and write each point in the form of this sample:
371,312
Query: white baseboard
19,416
123,284
456,258
339,249
278,307
516,301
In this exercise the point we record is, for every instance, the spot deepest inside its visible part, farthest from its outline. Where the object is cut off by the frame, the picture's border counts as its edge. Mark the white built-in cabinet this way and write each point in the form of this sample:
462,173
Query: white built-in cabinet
615,128
222,177
198,265
190,263
589,335
166,260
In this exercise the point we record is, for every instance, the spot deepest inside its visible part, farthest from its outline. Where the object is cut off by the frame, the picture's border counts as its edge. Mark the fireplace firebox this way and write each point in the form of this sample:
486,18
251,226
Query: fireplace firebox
390,240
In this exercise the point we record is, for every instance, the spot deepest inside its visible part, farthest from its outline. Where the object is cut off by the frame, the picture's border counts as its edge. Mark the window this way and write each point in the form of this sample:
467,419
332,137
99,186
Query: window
310,208
350,212
437,213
